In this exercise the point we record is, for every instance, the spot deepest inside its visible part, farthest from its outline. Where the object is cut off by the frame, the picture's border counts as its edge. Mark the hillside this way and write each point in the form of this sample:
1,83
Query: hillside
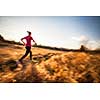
48,65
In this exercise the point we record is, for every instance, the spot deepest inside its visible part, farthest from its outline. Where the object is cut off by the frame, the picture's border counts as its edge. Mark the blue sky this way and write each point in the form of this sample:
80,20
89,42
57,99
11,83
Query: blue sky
65,31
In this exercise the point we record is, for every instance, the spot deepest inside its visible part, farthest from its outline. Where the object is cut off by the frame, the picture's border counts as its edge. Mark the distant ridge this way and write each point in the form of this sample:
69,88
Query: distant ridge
8,41
1,38
81,49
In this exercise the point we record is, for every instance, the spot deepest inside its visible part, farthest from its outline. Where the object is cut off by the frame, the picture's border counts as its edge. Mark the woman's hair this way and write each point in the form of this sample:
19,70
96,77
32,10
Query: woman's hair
29,32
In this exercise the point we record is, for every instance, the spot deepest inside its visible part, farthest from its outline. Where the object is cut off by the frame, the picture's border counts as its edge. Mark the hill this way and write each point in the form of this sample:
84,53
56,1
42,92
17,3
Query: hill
48,65
2,40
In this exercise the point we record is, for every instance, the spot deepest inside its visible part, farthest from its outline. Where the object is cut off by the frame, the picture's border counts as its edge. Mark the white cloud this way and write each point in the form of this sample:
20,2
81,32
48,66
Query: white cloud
81,38
93,44
90,44
76,38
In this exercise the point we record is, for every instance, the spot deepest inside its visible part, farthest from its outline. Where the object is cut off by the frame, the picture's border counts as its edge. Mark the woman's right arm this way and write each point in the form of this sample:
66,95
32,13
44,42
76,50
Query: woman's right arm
23,41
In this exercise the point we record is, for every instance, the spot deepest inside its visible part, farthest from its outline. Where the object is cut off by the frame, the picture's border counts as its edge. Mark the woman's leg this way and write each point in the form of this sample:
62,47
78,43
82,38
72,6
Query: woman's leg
30,55
26,53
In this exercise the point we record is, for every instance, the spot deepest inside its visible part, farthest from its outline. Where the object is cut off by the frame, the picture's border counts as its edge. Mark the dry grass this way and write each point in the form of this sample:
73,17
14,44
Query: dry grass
48,66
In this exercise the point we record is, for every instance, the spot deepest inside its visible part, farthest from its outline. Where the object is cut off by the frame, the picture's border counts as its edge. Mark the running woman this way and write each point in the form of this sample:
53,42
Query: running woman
27,46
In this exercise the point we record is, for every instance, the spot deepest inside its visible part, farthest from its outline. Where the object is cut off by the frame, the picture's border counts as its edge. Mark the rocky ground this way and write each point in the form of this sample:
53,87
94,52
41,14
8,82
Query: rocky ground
48,66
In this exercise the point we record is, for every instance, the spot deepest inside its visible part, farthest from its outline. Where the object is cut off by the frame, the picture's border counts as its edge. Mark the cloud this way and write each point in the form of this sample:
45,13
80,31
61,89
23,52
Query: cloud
75,38
93,44
81,38
90,44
